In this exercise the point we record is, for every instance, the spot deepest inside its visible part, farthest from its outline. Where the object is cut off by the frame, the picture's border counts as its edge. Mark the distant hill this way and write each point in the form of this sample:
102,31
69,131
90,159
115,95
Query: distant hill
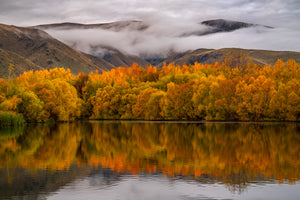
209,56
118,59
222,25
115,26
29,48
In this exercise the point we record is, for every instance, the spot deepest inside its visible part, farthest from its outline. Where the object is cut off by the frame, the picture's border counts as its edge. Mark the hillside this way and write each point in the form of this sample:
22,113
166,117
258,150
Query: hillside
118,59
29,48
209,56
34,49
112,53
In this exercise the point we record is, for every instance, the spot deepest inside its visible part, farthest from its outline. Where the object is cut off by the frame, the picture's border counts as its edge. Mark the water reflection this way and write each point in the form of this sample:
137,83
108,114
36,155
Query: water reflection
234,154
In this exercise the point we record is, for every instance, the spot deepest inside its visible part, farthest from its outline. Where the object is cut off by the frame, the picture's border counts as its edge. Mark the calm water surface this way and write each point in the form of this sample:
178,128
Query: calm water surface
151,160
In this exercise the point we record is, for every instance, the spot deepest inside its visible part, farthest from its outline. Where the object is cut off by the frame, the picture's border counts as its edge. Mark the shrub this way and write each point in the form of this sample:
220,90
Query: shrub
11,119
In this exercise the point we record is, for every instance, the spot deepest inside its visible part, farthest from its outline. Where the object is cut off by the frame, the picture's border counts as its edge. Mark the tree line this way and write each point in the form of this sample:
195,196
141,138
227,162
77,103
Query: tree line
234,89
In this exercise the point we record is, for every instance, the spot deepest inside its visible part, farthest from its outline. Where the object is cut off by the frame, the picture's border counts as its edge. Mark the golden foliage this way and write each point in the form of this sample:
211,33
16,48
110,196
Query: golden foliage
236,89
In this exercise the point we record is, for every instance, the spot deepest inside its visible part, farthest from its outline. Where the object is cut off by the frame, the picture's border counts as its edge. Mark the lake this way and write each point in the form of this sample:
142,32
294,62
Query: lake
150,160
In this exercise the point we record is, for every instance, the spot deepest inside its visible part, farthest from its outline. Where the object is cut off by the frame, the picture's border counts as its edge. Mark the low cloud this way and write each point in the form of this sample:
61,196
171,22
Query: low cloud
165,36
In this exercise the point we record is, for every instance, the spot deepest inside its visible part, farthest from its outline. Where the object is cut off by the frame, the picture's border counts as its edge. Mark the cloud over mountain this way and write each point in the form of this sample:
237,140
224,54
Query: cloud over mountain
170,22
152,38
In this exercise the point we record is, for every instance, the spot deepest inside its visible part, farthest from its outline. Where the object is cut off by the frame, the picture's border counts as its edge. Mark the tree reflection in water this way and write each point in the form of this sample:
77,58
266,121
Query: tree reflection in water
235,154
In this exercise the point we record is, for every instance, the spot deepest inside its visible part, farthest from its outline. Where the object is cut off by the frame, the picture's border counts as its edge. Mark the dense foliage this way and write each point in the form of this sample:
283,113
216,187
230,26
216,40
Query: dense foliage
235,89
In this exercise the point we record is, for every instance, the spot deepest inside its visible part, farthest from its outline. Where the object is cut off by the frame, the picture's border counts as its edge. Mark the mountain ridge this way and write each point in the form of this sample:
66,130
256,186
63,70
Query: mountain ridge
117,26
210,56
34,49
38,50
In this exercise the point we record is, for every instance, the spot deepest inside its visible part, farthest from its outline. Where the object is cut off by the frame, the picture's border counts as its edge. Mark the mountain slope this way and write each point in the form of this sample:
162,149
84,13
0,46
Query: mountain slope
118,59
209,56
29,48
106,66
21,63
34,49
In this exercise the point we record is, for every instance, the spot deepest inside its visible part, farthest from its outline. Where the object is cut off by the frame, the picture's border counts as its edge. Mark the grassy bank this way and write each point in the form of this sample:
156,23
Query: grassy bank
11,119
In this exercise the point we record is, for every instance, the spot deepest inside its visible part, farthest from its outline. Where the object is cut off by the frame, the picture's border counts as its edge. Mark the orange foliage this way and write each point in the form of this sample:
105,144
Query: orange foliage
235,89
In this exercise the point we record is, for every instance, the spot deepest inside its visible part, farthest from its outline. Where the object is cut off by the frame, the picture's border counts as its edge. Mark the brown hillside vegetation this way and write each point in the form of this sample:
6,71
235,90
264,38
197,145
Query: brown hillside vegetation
33,49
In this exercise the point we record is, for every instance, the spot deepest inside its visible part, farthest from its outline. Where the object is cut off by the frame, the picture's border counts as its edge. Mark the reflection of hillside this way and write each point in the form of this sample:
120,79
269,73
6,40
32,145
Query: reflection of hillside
235,154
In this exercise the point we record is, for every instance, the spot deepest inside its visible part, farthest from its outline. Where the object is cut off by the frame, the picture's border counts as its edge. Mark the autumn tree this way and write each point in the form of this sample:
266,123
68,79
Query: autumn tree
31,106
179,100
140,108
237,60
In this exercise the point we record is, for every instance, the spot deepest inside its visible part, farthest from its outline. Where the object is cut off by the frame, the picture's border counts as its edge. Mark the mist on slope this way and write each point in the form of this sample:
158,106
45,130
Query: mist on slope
164,36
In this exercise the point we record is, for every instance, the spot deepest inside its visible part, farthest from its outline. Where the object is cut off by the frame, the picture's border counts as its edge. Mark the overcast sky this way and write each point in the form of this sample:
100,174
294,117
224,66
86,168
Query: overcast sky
32,12
284,15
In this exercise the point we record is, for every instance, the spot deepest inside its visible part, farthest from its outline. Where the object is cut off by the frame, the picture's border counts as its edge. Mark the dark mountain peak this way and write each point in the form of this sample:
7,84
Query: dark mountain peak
114,26
226,25
222,25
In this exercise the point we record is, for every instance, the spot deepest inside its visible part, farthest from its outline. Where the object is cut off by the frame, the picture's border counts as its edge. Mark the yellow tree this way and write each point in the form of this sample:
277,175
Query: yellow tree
67,104
201,96
31,106
140,110
155,106
106,103
180,104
